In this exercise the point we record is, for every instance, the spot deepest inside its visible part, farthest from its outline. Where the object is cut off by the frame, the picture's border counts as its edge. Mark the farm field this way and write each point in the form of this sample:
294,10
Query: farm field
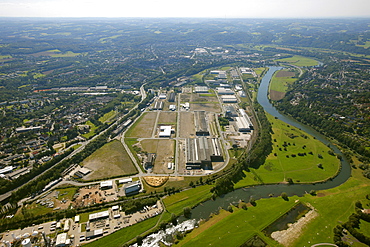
110,160
143,128
299,61
291,157
280,82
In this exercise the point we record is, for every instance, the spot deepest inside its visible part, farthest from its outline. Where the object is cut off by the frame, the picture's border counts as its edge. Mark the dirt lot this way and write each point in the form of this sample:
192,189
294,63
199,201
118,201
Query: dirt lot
108,161
210,107
167,118
155,181
287,237
92,194
164,149
275,95
185,97
145,127
285,74
187,128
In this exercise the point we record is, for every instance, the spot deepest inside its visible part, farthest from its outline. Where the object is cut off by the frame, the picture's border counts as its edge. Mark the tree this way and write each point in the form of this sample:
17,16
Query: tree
174,219
284,196
290,180
187,212
139,240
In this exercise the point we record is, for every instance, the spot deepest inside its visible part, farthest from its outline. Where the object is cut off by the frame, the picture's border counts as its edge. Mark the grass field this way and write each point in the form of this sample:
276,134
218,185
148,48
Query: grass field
108,161
233,229
333,206
299,61
108,116
67,193
92,130
188,198
280,83
143,127
279,167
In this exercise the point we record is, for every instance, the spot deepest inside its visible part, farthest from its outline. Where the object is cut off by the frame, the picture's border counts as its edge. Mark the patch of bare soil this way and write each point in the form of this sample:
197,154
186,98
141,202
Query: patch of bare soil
275,95
283,73
155,181
288,236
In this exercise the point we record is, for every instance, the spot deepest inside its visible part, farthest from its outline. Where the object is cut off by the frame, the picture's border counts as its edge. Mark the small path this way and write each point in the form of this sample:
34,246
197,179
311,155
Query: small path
324,244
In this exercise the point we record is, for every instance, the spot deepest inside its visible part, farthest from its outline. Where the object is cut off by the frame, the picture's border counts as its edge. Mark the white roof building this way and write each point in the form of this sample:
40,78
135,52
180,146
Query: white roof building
229,99
61,239
100,215
221,91
106,184
125,181
164,131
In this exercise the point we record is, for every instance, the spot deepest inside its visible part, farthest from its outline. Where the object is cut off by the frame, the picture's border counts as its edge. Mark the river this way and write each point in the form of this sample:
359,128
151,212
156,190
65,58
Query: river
204,210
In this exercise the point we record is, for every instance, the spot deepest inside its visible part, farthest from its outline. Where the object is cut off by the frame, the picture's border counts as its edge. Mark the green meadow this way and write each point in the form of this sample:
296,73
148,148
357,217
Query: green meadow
281,83
299,61
295,155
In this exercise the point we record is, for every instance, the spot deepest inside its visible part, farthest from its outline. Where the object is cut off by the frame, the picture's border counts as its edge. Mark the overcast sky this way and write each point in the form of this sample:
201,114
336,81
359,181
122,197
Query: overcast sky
186,8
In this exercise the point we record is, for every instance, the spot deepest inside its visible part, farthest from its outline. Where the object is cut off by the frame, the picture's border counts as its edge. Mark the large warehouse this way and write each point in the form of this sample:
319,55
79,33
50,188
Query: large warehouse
201,126
244,121
201,152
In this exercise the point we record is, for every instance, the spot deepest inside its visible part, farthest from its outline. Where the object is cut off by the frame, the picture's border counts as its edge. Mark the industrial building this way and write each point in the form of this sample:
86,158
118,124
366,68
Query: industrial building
99,216
172,107
149,163
106,185
244,121
201,152
229,99
224,91
165,131
230,111
201,89
171,97
158,105
133,188
201,126
94,234
125,181
61,240
162,96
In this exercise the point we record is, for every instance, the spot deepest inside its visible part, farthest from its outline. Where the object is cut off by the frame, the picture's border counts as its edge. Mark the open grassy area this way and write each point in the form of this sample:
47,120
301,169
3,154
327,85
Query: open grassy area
333,206
66,54
124,235
188,198
279,82
143,127
259,71
233,229
280,164
92,130
67,193
108,116
108,161
299,61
